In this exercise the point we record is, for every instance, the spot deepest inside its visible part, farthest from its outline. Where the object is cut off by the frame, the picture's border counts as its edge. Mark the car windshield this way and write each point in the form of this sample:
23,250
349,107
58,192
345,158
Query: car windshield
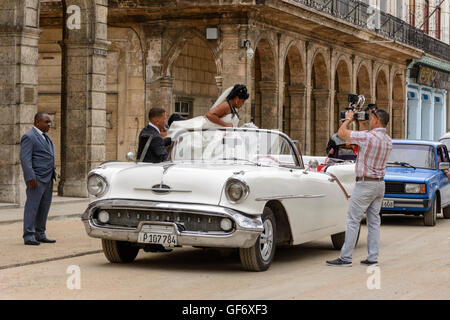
446,141
250,146
415,155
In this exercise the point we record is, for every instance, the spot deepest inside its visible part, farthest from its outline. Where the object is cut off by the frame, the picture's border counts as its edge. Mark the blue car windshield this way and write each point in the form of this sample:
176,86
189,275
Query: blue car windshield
416,155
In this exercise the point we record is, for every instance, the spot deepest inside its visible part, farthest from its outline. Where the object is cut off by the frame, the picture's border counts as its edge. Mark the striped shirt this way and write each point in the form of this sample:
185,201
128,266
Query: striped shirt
374,148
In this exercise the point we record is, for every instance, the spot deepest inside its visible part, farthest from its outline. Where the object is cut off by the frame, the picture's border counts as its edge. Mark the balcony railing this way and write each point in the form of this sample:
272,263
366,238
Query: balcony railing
362,15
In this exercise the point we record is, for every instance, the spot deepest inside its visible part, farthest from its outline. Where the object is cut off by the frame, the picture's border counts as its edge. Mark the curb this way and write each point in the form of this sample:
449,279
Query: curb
59,217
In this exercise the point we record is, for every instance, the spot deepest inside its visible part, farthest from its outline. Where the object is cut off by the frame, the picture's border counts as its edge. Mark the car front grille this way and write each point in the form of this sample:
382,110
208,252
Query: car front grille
186,221
394,187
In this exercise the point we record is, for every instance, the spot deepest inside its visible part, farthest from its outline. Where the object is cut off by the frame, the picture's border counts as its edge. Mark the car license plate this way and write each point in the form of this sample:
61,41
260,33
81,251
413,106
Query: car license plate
388,204
167,240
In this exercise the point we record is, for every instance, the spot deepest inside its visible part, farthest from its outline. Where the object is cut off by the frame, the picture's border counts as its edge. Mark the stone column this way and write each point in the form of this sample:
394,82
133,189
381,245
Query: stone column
342,102
297,117
83,98
447,110
269,109
321,121
385,105
154,69
19,38
83,114
235,64
398,119
219,83
166,88
234,58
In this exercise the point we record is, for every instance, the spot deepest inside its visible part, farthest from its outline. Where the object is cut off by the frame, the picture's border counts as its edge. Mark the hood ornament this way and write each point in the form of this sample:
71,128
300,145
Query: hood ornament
161,189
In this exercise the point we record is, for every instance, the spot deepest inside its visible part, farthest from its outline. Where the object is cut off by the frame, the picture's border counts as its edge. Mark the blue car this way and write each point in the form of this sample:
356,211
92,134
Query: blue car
415,180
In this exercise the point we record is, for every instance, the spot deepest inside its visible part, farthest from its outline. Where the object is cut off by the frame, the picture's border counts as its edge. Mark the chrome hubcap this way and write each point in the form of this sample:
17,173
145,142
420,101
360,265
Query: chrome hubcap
266,240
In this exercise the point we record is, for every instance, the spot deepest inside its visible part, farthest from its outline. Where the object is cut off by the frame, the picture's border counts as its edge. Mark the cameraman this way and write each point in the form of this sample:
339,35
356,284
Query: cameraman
374,148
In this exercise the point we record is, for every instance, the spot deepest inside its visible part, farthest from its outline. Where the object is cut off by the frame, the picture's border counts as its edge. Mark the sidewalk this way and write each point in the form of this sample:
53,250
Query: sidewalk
61,207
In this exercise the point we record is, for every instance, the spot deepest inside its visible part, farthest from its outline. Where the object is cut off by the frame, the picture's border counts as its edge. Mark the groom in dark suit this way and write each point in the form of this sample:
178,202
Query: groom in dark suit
154,150
37,157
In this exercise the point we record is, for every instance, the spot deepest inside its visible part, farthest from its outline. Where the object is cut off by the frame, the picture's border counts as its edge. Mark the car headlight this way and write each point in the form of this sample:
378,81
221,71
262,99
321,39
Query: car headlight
415,188
97,185
226,224
103,216
236,190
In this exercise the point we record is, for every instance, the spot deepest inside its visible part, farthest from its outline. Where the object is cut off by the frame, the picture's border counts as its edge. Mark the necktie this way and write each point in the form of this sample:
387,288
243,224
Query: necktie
46,138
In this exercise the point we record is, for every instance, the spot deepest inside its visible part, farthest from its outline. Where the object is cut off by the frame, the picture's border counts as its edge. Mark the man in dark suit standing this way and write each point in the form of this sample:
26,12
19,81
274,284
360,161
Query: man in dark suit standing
154,151
37,157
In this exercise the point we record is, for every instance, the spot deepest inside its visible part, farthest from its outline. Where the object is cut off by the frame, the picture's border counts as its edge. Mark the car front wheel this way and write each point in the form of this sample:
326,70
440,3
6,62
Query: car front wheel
338,239
259,257
119,251
429,217
446,212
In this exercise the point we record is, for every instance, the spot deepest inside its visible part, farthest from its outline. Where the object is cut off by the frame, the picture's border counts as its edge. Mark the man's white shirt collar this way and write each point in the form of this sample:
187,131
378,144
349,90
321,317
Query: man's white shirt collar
40,132
155,127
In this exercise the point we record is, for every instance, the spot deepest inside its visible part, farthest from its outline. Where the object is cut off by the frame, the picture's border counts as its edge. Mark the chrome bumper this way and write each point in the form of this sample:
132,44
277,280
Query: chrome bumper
407,203
245,234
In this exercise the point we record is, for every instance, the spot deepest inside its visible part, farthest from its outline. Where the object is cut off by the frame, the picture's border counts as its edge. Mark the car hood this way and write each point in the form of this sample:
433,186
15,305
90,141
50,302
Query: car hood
190,182
407,174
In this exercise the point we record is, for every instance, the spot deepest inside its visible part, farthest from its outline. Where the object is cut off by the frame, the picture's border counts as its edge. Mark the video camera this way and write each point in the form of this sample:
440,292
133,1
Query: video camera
356,104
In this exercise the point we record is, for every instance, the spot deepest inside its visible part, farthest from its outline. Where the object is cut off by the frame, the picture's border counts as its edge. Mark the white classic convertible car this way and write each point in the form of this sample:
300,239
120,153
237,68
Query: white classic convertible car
228,188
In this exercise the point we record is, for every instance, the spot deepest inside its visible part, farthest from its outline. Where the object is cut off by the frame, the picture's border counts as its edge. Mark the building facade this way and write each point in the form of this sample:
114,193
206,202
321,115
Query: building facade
98,66
428,78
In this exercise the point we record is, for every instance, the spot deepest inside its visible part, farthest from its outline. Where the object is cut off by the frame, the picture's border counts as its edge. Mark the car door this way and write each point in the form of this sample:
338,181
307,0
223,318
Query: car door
444,182
315,205
313,201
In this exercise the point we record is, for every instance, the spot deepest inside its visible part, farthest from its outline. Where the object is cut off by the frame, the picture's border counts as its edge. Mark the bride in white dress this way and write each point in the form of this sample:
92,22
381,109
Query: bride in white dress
223,112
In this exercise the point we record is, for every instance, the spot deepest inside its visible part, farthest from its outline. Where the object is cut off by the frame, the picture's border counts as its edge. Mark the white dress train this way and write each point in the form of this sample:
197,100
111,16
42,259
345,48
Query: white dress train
201,122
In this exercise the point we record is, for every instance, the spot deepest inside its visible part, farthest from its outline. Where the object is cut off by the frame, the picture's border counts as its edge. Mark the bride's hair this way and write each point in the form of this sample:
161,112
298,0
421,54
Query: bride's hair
239,90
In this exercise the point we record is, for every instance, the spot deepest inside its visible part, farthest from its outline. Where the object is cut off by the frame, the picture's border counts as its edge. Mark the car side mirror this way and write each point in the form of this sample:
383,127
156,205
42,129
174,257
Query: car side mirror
444,165
313,164
131,156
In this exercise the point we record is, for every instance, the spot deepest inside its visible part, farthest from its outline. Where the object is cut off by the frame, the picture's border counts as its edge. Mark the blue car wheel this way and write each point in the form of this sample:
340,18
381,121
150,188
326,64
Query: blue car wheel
429,217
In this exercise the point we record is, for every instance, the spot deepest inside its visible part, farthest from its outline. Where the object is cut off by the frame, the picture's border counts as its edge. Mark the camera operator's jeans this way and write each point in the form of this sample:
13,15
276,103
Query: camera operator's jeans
367,197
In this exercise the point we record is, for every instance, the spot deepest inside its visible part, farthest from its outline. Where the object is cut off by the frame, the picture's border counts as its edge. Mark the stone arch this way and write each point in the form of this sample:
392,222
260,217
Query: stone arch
398,106
319,72
265,48
382,90
342,87
363,81
296,61
178,45
294,104
320,103
264,109
193,74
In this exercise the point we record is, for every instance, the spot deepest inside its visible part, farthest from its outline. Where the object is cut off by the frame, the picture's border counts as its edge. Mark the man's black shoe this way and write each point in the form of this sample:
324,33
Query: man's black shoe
339,263
46,240
31,243
369,263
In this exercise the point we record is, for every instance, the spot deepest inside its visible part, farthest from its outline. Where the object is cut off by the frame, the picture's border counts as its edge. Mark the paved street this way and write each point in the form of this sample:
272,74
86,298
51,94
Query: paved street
414,264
